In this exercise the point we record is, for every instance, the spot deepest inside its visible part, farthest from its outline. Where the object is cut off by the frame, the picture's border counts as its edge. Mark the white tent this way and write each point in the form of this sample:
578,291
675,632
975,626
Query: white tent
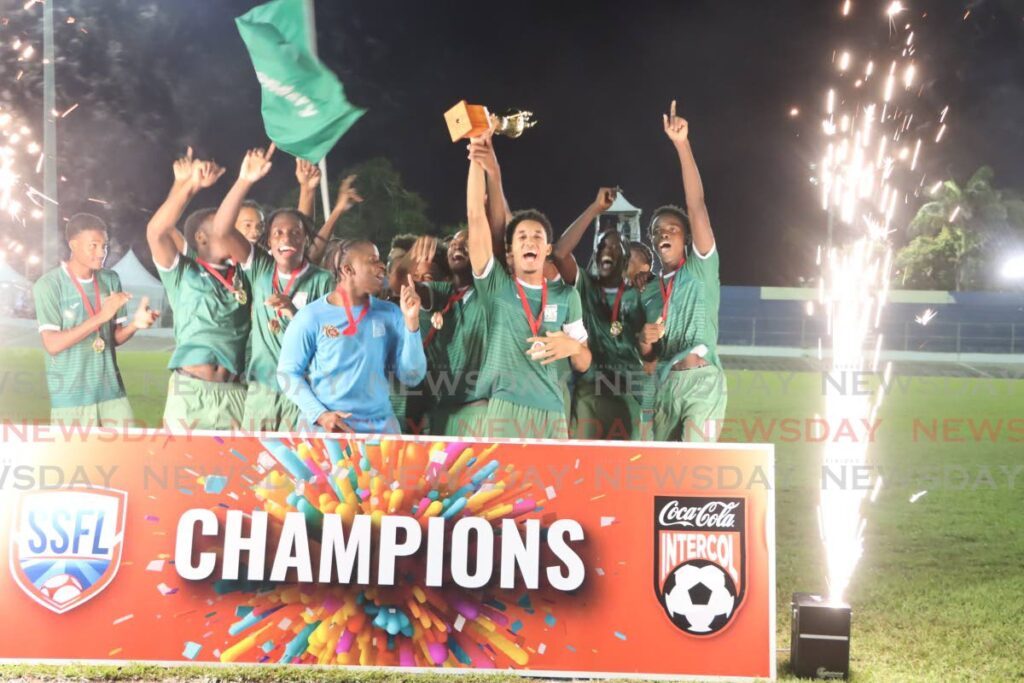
138,282
14,291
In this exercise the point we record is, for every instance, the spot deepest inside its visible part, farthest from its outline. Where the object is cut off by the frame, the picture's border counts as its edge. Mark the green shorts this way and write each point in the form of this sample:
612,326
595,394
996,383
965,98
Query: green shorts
505,420
690,405
464,420
117,412
197,404
604,414
268,410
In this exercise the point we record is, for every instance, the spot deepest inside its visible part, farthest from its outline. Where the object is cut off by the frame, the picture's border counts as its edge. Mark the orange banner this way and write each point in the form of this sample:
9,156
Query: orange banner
547,558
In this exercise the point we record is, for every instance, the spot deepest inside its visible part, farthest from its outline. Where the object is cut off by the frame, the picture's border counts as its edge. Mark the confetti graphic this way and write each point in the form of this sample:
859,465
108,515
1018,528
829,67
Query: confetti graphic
405,625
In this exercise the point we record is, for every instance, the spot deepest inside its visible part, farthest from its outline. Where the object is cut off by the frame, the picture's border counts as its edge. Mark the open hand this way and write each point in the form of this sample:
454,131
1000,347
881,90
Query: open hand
256,164
307,174
555,346
348,196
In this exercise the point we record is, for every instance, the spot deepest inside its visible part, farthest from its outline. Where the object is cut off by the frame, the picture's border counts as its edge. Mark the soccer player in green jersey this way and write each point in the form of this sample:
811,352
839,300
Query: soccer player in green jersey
531,323
83,318
681,333
604,400
211,307
281,281
454,330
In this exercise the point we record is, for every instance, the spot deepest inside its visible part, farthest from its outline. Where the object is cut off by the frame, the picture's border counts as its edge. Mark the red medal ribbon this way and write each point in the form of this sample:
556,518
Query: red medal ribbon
457,296
276,283
353,323
666,295
85,297
534,322
618,302
226,281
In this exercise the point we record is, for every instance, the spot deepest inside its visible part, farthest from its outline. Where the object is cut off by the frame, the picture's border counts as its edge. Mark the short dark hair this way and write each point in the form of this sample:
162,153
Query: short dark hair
527,215
304,221
337,251
670,210
644,250
404,241
253,204
194,222
81,222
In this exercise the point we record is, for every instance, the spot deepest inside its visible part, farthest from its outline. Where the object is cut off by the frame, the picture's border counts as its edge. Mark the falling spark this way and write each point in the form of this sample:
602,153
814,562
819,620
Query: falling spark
917,496
926,317
894,8
953,216
941,132
844,61
794,112
69,109
846,8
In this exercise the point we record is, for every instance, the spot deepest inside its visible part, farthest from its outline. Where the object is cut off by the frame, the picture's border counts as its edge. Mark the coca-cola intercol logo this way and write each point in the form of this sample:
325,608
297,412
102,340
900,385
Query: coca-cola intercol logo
714,514
700,551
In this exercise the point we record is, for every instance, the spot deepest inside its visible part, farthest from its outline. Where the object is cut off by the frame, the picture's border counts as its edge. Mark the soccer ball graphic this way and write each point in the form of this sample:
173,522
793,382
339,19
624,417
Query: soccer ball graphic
61,589
699,597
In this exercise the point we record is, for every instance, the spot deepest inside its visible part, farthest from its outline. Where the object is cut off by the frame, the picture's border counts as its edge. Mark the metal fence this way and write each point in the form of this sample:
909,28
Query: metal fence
937,336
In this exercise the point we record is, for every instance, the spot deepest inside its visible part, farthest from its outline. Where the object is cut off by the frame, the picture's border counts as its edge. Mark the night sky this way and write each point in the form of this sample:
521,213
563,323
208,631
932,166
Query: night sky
598,75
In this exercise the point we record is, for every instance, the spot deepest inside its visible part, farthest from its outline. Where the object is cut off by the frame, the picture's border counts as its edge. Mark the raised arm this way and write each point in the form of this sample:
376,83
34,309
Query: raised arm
347,198
225,240
677,129
570,239
481,245
165,242
308,176
481,149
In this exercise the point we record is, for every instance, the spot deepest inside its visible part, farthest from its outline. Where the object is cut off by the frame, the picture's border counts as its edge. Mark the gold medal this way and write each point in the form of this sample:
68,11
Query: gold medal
331,331
536,350
98,345
274,325
286,314
240,296
616,328
437,320
660,320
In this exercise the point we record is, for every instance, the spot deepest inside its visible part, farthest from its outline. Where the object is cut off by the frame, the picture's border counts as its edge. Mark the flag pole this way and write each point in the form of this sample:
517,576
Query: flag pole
325,197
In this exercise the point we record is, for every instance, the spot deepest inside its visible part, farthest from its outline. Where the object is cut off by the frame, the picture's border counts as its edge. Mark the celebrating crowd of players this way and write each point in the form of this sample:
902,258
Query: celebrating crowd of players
498,332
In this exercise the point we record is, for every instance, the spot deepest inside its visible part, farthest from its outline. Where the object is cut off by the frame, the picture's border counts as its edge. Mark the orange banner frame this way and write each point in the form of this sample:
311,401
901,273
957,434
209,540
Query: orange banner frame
77,585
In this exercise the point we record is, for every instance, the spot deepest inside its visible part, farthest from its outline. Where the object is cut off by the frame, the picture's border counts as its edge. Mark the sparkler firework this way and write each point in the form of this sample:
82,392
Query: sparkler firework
868,169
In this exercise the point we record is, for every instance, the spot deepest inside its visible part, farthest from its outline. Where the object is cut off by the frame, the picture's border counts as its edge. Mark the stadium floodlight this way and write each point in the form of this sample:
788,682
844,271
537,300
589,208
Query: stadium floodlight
1013,268
820,646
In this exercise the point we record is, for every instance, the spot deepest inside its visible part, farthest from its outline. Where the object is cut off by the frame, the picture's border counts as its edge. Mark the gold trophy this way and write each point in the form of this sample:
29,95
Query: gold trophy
469,120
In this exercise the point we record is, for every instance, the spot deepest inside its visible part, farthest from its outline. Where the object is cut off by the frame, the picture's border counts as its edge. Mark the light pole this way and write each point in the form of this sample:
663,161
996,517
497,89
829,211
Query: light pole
51,240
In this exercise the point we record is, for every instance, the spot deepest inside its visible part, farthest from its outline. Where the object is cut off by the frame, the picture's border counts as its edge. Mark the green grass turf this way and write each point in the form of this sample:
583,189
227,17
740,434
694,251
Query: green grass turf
939,591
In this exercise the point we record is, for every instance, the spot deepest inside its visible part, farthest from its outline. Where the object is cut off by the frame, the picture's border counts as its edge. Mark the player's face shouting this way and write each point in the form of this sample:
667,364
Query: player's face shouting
458,252
287,241
669,239
610,255
89,248
530,247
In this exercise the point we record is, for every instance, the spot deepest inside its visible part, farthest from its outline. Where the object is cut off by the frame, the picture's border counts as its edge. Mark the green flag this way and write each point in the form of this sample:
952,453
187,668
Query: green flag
304,106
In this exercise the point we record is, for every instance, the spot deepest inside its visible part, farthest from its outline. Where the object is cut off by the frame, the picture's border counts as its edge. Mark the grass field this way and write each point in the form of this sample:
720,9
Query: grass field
938,595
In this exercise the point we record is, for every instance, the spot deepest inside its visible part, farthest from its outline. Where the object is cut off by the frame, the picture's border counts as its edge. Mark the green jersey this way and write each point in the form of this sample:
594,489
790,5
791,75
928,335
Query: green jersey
455,353
210,325
79,375
691,317
268,328
508,373
616,356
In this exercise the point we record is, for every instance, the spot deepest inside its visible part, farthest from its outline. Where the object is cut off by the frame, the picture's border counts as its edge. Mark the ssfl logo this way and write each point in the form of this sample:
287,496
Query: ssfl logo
66,544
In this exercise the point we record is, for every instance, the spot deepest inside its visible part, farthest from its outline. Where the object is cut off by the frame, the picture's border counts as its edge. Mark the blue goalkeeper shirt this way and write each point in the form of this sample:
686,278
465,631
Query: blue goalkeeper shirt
322,369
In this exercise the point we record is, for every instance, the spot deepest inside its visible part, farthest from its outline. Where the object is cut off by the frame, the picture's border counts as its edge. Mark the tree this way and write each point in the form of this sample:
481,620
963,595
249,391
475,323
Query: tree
956,235
387,209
